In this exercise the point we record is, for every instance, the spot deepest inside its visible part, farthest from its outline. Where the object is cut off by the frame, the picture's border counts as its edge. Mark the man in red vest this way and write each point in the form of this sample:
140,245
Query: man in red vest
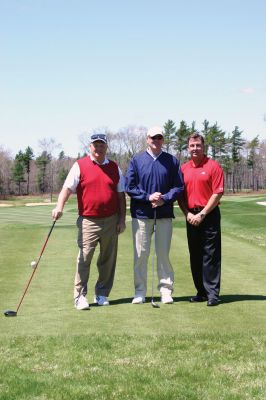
99,185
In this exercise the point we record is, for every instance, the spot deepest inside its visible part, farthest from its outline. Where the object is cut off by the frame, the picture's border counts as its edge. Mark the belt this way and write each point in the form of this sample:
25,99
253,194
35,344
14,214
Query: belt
196,209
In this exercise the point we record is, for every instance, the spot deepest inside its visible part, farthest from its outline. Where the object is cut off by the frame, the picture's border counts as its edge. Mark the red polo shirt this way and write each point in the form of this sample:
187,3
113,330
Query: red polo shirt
202,181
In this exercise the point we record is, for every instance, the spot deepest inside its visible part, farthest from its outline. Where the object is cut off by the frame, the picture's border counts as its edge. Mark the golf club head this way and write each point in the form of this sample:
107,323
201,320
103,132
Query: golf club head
9,313
154,305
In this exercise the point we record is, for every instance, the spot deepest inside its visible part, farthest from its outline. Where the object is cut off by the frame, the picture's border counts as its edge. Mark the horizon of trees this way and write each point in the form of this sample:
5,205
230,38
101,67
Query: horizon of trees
243,161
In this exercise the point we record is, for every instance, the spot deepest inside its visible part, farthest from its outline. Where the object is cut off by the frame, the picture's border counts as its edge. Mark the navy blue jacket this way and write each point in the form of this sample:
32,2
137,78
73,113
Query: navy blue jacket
146,176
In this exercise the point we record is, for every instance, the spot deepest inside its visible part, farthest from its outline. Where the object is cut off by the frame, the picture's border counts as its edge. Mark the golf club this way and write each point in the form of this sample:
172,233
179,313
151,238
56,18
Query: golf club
155,305
9,313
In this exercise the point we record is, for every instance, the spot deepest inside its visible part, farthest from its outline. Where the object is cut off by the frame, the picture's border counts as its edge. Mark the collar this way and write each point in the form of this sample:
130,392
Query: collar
153,155
203,161
106,161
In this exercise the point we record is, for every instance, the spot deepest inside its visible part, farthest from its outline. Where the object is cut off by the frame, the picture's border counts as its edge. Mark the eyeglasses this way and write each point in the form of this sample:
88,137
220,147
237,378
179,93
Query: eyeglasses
99,136
157,137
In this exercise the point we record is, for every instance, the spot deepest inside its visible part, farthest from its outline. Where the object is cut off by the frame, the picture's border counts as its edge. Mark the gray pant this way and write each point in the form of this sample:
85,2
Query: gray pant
142,233
92,231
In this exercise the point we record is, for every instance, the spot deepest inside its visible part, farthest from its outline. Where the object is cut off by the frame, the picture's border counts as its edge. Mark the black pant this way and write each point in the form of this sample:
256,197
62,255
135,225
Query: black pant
204,242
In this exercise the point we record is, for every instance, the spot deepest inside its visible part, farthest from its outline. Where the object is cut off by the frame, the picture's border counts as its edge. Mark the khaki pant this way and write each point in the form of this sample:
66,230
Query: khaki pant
142,230
92,231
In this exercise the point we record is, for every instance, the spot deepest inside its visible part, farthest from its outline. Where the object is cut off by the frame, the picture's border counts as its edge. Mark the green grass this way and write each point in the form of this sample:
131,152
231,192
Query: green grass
180,351
133,367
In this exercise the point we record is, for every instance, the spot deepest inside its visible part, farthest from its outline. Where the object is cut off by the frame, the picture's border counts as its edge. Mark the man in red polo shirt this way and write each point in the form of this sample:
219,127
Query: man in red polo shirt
99,185
204,187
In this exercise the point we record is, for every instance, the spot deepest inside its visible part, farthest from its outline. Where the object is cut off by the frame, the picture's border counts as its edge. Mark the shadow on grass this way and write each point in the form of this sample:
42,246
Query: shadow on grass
157,299
231,298
228,298
127,300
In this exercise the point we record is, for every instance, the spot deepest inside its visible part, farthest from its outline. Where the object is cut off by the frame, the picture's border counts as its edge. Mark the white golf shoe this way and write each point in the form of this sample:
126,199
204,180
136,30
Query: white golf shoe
138,300
101,300
81,303
166,298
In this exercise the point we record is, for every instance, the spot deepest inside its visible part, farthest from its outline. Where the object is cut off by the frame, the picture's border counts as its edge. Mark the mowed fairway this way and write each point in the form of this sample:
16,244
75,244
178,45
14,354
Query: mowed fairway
124,351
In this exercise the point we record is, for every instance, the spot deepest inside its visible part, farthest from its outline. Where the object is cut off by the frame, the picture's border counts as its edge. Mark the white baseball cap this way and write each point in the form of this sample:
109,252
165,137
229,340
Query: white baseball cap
154,131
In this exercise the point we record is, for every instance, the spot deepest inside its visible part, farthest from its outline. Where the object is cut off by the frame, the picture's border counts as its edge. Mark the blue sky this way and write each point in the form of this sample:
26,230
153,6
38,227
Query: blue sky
67,67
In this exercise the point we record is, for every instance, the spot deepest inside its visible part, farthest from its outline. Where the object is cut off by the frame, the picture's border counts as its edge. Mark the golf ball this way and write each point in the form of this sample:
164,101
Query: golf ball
33,264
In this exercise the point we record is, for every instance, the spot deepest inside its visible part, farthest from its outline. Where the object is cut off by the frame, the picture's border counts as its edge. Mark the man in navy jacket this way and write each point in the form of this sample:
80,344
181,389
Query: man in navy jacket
153,182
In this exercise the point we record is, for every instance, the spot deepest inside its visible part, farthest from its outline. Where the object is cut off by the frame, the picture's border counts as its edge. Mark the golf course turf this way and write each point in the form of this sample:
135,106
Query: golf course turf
123,351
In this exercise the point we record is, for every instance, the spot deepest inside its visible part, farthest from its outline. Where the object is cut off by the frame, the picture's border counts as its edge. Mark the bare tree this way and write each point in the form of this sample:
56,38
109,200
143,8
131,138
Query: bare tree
134,139
261,165
5,171
122,144
126,143
237,144
49,146
84,137
252,160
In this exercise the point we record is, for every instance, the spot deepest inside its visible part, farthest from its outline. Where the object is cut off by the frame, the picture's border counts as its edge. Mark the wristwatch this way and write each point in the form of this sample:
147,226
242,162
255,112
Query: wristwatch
202,215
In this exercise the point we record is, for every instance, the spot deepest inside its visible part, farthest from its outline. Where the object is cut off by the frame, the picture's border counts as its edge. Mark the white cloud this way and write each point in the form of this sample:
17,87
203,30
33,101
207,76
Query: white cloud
248,90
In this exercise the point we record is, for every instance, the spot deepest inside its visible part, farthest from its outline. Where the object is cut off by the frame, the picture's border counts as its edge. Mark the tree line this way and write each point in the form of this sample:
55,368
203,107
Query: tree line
243,161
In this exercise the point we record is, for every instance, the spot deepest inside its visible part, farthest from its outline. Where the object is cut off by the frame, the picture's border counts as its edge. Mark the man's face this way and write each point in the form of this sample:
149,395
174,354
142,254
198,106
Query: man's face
98,149
155,143
196,149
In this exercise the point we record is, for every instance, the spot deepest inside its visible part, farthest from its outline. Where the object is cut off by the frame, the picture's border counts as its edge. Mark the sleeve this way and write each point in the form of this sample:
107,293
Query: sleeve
121,183
72,179
177,185
132,183
218,179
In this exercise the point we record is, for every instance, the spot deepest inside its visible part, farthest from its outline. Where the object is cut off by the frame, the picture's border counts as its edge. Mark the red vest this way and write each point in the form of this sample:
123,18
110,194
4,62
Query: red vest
97,189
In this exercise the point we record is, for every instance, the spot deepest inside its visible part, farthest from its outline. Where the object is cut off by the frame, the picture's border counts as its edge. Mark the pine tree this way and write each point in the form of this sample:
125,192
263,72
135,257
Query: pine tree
18,171
42,162
215,140
61,176
61,155
182,135
169,134
27,157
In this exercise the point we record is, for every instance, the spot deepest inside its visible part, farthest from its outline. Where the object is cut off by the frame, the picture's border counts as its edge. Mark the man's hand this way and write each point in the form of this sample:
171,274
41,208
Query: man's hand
121,226
158,203
194,219
156,196
57,213
62,198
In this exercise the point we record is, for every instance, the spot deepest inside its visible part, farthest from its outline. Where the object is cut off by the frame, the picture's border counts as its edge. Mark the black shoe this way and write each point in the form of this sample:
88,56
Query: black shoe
213,302
198,299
